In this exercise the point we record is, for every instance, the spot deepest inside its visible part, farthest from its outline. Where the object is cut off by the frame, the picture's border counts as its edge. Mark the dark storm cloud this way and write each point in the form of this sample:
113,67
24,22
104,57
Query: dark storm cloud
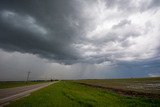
92,36
50,28
46,28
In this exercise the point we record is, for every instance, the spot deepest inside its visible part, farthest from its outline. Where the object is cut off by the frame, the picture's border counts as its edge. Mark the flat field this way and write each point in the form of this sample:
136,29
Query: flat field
71,94
11,84
149,87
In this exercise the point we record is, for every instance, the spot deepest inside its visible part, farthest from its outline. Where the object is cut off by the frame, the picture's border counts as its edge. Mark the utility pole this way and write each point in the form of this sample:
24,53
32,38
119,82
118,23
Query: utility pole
28,76
51,79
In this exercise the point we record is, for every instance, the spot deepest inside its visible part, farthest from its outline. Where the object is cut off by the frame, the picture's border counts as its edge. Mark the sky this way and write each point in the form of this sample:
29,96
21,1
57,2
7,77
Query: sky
79,39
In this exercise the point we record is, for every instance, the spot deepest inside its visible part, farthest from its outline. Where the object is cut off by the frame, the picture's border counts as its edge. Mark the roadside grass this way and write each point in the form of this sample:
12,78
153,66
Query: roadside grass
69,94
11,84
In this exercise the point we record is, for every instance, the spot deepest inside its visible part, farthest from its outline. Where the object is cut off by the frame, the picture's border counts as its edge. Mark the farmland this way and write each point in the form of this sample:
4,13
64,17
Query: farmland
73,94
149,87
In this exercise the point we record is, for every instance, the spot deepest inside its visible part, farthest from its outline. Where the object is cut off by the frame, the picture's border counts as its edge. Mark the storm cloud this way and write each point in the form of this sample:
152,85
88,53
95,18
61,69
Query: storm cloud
105,37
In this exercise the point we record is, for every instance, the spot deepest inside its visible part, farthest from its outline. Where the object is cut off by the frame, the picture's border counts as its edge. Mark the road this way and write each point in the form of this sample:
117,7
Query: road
10,94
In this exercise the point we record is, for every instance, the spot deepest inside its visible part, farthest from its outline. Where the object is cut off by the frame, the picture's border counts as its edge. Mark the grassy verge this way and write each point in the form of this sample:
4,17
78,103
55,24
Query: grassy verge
68,94
11,84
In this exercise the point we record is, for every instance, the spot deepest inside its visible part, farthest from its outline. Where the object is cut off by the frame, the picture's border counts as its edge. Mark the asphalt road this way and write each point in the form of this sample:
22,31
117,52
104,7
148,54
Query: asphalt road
10,94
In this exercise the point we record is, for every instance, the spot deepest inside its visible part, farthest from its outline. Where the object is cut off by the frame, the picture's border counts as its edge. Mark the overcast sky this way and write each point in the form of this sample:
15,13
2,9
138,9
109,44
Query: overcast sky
78,39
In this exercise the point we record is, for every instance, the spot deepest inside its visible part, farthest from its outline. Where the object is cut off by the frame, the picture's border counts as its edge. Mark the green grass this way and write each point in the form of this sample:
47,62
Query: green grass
11,84
69,94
